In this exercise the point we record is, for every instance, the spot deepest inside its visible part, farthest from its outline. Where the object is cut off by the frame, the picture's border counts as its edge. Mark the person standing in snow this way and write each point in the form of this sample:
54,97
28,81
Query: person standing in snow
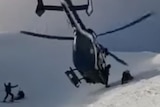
107,68
8,90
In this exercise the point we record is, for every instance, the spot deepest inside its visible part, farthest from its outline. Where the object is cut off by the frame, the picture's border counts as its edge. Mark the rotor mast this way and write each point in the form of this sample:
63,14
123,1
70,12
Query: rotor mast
73,14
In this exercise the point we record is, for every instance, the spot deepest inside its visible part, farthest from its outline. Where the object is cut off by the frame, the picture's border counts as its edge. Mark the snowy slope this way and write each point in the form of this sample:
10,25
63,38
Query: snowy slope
144,93
38,66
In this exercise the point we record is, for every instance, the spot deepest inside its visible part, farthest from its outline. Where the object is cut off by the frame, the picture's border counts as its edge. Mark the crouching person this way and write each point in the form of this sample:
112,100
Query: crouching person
126,76
20,95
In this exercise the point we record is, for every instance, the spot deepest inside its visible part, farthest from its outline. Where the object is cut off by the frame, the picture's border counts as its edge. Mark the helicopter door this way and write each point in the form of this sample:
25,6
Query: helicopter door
73,78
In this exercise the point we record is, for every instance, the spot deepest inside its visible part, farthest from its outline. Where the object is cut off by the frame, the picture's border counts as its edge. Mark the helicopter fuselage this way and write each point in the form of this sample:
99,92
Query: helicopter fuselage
88,55
84,53
85,58
85,46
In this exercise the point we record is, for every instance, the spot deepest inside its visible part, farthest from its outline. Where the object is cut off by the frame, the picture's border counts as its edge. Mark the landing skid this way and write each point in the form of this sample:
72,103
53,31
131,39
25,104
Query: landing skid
77,81
73,77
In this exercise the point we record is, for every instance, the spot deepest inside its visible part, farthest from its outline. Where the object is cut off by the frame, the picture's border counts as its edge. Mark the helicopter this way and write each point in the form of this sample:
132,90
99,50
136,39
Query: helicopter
88,54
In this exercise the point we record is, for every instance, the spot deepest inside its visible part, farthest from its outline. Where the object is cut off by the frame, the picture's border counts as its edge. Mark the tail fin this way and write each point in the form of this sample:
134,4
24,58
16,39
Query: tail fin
89,9
40,8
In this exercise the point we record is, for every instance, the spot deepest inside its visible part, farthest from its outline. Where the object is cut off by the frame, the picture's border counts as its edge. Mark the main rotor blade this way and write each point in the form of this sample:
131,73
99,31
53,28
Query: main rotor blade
128,25
47,36
118,59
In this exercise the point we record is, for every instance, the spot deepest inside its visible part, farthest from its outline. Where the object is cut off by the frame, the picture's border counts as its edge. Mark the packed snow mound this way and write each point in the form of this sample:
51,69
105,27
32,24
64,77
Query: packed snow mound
141,94
156,59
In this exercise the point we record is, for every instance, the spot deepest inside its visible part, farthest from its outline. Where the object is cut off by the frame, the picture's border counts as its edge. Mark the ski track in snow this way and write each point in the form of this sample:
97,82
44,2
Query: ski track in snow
38,66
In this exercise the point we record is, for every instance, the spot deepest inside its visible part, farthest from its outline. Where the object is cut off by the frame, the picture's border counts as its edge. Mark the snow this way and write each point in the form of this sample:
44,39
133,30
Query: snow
38,65
144,93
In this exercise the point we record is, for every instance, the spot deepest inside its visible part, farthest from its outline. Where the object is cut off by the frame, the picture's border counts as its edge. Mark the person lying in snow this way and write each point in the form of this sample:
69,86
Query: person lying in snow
126,76
20,95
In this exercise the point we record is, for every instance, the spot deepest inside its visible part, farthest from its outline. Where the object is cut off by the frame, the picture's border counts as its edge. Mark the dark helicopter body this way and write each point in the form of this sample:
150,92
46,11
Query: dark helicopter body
85,47
85,58
84,55
88,55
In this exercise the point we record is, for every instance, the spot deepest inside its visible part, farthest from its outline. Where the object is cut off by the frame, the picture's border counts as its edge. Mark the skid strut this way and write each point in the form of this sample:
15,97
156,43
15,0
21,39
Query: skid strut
73,77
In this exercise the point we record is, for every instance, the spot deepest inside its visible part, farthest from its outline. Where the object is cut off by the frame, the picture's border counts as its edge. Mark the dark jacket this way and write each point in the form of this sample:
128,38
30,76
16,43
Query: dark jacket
8,87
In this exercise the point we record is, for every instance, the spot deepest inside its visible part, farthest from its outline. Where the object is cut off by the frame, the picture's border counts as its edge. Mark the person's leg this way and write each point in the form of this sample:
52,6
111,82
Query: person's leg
124,78
12,97
107,77
5,97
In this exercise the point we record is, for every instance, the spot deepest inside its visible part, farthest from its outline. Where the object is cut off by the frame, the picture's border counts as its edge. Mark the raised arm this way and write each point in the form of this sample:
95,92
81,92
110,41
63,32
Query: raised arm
14,86
5,84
